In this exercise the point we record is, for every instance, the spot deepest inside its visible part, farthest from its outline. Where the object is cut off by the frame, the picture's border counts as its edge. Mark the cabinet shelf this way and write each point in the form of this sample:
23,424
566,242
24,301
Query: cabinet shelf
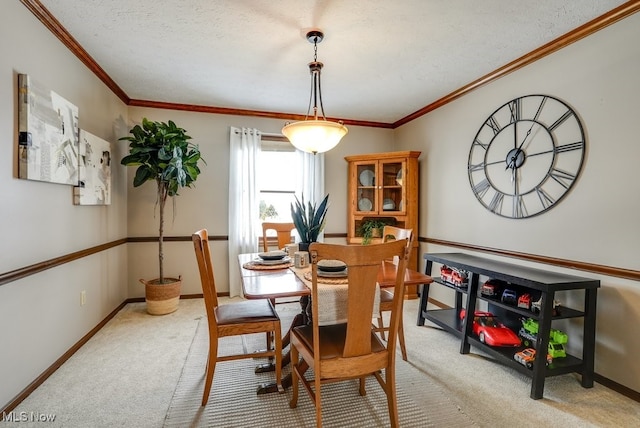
559,366
564,312
525,279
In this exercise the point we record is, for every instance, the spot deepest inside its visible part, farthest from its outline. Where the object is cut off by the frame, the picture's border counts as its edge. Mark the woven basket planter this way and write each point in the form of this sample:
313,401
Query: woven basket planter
162,299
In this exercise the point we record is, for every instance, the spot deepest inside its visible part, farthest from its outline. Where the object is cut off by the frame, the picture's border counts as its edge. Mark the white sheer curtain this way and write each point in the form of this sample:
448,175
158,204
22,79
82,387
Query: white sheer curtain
310,169
243,200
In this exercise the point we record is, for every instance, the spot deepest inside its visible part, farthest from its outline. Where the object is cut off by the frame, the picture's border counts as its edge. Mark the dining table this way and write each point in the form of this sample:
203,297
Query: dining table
280,281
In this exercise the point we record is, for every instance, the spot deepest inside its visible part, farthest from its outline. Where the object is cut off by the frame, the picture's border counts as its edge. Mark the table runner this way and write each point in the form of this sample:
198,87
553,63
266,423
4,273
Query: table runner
332,297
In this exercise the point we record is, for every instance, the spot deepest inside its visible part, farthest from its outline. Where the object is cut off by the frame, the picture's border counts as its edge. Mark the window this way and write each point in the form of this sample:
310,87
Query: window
276,180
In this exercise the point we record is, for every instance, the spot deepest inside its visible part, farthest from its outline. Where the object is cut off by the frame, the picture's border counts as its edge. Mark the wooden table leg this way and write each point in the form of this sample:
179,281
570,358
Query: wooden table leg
300,319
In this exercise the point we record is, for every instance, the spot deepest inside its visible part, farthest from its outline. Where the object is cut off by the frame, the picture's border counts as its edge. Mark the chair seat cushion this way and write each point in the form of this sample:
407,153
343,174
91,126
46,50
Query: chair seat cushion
332,340
246,311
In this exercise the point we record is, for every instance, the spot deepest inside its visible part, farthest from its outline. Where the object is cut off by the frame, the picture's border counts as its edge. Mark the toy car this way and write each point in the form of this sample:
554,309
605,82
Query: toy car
491,331
509,297
557,350
527,356
454,276
524,301
492,288
537,306
557,338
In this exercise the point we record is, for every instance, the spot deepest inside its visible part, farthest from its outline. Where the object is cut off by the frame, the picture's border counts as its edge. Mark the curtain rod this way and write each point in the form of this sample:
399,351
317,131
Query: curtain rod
270,136
274,137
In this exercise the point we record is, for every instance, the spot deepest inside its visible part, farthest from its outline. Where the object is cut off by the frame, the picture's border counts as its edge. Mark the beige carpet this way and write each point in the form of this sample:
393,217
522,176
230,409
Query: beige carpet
126,376
233,401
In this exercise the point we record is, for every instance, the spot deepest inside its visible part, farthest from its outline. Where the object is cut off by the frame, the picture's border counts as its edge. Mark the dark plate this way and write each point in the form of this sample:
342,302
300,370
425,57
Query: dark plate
331,265
272,255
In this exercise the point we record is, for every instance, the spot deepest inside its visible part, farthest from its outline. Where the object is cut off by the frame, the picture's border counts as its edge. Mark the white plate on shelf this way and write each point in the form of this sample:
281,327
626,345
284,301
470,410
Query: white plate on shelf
365,204
400,205
388,205
366,177
399,178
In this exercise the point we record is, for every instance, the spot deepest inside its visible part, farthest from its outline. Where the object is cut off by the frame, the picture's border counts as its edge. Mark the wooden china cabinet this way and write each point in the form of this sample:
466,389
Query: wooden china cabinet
384,186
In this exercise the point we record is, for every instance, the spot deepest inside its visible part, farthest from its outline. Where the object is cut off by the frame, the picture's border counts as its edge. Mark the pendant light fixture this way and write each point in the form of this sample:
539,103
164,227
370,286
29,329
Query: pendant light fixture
315,135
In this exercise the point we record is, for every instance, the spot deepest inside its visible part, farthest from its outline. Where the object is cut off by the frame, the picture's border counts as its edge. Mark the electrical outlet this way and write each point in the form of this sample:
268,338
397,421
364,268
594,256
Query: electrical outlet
83,297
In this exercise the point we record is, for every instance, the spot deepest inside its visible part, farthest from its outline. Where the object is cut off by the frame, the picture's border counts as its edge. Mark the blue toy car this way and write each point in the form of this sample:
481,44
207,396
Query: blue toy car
509,297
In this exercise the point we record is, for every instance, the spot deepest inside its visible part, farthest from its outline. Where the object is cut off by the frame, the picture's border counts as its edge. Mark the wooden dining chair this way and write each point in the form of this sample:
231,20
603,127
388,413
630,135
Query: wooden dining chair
283,230
390,233
349,350
234,319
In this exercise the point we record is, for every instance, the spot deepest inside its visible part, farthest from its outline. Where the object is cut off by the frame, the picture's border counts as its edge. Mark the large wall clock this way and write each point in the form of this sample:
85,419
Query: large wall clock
526,156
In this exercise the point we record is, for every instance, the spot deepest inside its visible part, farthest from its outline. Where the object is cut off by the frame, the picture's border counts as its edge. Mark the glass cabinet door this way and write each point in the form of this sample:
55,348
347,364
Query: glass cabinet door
367,189
392,188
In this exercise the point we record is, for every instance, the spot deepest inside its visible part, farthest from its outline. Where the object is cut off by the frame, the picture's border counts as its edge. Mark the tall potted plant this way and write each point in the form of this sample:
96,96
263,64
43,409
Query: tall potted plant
162,152
309,220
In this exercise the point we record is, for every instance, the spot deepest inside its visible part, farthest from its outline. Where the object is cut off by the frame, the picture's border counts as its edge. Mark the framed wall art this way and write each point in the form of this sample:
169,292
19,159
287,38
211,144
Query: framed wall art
94,171
48,134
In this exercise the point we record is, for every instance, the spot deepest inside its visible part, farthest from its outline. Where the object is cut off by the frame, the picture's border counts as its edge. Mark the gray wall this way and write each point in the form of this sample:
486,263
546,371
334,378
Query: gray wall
40,315
598,220
206,205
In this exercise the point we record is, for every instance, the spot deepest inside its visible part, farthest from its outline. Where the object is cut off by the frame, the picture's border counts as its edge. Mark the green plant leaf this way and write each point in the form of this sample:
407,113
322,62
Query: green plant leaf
308,219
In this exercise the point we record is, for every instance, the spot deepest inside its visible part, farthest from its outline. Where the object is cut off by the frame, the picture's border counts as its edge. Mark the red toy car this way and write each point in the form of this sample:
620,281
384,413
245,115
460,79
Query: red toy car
491,331
492,288
453,276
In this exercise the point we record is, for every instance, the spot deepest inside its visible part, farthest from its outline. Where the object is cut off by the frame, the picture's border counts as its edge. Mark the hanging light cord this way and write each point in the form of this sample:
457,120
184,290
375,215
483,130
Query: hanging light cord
316,90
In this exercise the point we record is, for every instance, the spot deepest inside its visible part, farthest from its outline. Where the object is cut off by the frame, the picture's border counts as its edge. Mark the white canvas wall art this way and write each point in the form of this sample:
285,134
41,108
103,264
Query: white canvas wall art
48,134
94,172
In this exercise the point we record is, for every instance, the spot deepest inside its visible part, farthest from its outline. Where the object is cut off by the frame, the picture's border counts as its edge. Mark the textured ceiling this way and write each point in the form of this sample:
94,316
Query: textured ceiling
383,59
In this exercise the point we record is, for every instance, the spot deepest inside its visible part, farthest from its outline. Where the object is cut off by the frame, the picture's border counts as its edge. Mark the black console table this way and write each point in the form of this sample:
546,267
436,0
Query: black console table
525,279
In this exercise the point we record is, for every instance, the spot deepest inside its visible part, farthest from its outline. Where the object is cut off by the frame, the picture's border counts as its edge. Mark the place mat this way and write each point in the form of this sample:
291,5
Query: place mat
252,265
327,280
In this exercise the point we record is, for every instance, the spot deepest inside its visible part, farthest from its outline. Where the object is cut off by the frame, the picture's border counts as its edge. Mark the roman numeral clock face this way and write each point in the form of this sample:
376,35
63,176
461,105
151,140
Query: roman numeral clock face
526,156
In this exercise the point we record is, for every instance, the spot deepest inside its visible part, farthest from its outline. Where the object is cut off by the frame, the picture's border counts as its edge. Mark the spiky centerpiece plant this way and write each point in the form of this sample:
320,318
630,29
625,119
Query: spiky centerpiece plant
162,152
309,220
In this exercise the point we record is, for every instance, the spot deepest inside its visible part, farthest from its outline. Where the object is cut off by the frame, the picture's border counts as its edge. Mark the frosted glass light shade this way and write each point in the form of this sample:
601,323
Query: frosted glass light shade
314,136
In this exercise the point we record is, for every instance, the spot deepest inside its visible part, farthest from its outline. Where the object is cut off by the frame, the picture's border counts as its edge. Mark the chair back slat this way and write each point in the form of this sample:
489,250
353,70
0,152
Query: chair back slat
391,233
283,231
361,294
205,266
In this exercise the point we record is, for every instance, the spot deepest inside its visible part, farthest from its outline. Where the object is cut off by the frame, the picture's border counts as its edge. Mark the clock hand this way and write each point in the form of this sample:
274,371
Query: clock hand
512,161
493,163
525,138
